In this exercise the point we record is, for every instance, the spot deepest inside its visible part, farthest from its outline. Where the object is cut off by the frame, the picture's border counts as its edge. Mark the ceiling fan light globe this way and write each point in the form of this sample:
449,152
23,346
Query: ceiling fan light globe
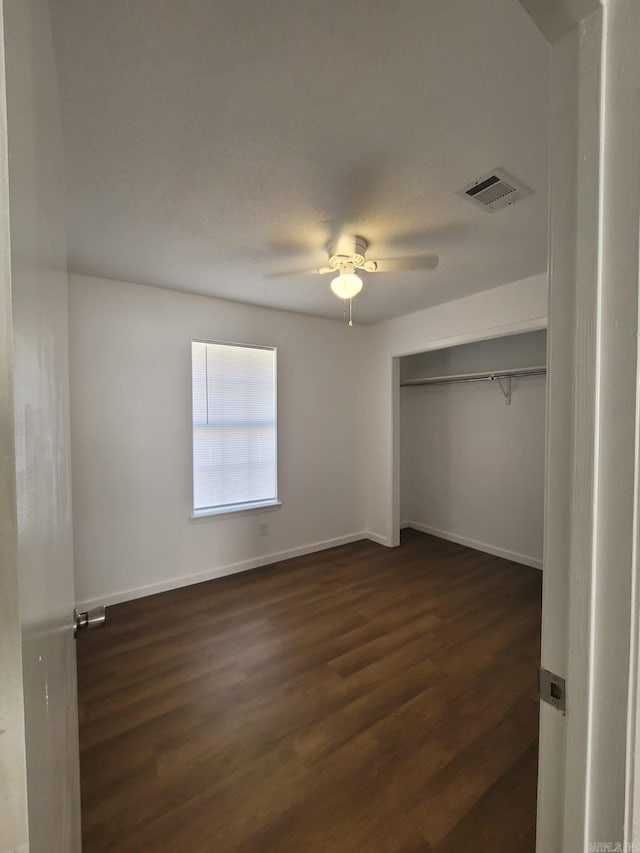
347,285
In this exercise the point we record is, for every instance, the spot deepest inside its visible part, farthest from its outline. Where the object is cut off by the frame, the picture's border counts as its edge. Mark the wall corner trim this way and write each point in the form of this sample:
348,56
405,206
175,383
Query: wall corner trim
379,539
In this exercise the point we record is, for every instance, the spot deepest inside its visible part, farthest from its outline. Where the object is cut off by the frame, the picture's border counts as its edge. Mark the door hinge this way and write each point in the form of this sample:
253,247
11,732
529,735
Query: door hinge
552,689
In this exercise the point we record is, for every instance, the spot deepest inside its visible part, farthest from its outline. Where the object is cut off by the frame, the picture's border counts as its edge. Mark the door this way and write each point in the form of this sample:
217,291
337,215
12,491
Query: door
590,580
40,566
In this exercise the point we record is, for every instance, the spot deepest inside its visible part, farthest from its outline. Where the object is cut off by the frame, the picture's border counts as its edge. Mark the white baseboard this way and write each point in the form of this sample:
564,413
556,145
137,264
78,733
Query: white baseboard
378,539
514,556
223,571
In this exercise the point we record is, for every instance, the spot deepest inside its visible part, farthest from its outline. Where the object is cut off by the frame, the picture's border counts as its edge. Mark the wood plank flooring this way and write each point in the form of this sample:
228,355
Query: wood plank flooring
359,699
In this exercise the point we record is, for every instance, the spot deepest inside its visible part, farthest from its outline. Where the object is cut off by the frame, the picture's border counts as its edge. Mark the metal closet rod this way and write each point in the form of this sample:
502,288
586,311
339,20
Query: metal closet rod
485,376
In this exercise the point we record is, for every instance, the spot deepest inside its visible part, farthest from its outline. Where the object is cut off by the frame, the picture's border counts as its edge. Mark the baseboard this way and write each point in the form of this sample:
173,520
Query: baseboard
514,556
378,539
223,571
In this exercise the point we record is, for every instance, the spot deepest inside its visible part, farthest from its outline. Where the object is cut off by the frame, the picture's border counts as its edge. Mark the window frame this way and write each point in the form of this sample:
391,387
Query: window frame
234,509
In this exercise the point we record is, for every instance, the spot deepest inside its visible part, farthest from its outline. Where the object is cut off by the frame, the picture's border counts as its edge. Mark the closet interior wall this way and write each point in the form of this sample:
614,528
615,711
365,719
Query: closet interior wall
472,463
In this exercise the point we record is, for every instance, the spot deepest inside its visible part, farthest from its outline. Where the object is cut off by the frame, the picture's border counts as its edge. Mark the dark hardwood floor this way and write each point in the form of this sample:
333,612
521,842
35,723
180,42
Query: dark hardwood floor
359,699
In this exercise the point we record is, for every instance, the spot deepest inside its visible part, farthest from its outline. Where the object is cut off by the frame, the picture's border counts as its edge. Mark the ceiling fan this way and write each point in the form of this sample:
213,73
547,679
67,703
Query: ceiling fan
349,255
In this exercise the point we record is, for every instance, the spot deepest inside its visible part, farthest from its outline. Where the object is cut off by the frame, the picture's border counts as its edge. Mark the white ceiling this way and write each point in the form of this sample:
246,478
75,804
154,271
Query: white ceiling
208,143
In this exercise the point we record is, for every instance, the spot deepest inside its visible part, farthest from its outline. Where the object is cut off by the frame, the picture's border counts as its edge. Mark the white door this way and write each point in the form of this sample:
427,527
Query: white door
40,566
590,580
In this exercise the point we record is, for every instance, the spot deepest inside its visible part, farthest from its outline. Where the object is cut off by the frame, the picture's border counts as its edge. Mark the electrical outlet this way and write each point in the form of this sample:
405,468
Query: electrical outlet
263,527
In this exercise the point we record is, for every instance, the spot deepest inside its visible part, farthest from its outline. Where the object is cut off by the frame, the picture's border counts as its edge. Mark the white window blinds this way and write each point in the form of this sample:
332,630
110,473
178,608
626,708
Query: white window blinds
234,426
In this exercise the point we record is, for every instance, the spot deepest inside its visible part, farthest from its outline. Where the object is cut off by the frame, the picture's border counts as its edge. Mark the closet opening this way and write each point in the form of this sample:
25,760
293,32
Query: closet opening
472,434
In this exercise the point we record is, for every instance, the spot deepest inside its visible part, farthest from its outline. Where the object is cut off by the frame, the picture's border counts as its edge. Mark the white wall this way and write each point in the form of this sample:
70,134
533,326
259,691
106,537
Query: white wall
41,423
131,428
517,307
472,468
511,352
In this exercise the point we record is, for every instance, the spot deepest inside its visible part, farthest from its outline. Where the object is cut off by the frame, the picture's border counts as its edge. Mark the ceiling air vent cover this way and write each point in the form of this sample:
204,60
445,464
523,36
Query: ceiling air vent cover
495,191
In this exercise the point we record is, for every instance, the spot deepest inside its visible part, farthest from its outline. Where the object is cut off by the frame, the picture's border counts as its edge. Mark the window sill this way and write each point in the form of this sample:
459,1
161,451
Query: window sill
259,506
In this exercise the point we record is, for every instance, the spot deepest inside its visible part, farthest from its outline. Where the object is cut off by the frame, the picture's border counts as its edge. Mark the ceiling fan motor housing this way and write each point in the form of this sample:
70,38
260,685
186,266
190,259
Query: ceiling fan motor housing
348,254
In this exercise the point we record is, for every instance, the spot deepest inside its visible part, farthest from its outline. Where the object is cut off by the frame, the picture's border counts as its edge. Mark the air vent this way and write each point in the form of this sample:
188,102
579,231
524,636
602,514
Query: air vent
495,191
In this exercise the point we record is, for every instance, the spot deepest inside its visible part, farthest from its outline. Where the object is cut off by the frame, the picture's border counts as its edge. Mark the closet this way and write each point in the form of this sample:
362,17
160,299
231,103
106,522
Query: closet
472,444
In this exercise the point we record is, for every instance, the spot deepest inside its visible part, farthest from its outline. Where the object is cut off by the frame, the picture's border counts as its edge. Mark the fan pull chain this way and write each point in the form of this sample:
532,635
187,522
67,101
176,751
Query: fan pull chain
344,311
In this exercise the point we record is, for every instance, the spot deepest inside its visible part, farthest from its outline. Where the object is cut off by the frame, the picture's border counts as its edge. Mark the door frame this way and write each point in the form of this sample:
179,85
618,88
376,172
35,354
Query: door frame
534,324
593,426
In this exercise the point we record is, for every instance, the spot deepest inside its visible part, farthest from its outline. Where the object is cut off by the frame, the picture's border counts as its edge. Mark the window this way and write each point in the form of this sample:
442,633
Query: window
234,427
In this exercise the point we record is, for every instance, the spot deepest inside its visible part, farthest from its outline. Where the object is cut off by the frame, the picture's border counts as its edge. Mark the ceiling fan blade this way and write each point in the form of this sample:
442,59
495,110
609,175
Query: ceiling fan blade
287,273
423,262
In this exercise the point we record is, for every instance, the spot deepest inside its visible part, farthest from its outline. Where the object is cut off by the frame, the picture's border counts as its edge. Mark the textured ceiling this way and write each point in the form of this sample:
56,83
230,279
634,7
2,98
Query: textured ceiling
208,143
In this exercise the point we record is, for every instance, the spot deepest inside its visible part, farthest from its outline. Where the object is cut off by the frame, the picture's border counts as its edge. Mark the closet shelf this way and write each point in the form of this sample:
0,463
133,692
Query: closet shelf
484,376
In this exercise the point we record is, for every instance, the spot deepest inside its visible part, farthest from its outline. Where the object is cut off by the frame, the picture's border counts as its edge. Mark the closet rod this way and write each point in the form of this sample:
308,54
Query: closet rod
477,377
